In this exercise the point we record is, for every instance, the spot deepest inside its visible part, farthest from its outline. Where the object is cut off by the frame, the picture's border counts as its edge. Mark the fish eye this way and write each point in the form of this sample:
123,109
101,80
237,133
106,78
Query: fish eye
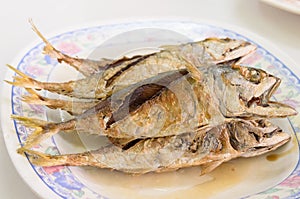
254,76
250,74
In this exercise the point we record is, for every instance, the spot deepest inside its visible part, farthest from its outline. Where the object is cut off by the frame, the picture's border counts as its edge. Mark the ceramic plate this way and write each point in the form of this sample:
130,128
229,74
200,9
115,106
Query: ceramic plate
287,5
274,175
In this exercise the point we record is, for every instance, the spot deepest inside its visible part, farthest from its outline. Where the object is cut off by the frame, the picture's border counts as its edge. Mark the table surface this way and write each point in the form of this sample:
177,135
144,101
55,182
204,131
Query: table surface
279,27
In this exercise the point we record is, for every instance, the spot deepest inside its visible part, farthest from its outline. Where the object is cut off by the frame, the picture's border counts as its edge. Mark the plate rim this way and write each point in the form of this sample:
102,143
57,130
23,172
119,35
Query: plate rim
281,56
283,6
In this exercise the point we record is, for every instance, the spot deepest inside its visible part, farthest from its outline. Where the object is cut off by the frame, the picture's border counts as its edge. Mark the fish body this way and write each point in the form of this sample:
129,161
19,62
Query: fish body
185,105
105,76
156,107
207,149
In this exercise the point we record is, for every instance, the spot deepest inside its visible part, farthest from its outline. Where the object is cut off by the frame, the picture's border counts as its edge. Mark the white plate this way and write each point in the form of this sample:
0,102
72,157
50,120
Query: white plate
236,179
287,5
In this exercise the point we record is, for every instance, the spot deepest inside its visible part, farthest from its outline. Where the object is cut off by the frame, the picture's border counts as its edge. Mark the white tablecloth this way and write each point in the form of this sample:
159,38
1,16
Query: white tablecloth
279,27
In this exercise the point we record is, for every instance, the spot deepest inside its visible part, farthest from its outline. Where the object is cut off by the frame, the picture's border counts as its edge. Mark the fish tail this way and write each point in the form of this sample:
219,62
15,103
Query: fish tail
72,107
85,66
23,80
42,159
35,98
56,54
42,130
48,49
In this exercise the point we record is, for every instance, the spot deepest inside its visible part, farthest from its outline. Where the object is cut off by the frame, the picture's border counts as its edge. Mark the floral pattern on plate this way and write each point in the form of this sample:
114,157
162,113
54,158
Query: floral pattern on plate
61,180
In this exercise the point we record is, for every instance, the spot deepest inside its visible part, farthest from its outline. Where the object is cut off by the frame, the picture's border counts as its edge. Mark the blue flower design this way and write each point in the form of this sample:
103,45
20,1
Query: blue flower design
50,60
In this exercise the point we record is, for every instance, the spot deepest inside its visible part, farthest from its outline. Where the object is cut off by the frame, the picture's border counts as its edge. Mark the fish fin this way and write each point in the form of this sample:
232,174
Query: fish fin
42,159
42,130
85,66
23,80
49,48
34,28
70,106
54,53
17,71
208,167
35,98
76,159
192,69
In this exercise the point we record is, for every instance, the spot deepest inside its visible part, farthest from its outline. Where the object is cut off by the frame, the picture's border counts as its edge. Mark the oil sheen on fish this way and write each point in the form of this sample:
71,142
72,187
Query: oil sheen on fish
158,107
185,105
207,149
106,76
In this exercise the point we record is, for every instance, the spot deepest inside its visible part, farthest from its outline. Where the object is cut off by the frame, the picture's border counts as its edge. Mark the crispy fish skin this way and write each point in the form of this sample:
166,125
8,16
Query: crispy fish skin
210,50
85,66
186,105
203,148
157,106
106,76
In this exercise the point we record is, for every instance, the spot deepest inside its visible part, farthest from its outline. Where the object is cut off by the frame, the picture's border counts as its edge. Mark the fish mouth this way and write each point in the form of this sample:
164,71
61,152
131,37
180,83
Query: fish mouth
256,137
279,138
261,105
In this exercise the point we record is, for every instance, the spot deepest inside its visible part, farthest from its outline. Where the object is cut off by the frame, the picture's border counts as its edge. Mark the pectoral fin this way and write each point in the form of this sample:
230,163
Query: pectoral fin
208,167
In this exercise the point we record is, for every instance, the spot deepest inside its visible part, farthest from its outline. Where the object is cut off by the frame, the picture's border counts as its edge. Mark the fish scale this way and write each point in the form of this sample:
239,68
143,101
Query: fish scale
196,106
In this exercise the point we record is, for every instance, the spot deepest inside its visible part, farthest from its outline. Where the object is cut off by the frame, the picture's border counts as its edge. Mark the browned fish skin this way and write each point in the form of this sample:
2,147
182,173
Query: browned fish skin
86,66
186,105
211,50
161,109
207,148
107,76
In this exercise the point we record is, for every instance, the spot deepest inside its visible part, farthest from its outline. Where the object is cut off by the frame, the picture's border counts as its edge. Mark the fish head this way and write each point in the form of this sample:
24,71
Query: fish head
213,51
255,137
247,92
226,49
